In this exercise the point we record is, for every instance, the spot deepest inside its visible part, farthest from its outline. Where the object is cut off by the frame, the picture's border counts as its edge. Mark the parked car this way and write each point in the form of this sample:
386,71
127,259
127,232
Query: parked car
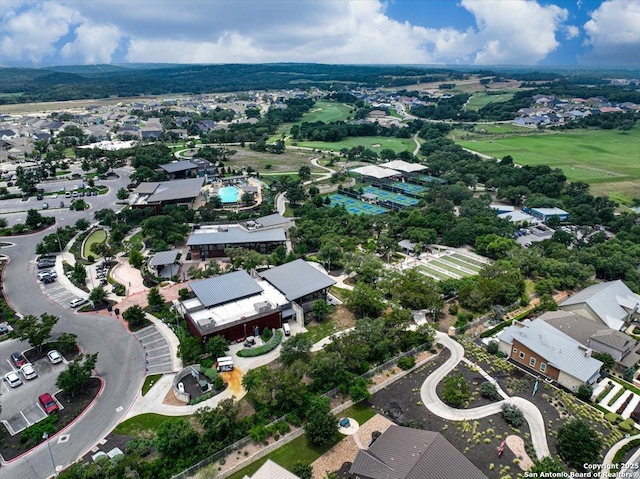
39,196
48,280
18,359
3,330
28,371
74,303
45,206
94,193
48,403
54,356
67,194
13,379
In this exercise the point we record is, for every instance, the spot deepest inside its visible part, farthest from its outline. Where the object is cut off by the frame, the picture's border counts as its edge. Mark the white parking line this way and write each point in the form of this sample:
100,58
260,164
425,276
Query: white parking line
157,349
25,418
11,366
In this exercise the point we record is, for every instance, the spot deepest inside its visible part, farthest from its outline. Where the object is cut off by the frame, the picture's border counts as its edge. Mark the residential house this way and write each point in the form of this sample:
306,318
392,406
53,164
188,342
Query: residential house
407,453
622,347
546,351
271,470
179,169
611,303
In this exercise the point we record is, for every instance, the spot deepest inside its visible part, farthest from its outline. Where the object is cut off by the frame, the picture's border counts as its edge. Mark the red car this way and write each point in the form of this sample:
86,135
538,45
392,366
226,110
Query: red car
18,359
48,403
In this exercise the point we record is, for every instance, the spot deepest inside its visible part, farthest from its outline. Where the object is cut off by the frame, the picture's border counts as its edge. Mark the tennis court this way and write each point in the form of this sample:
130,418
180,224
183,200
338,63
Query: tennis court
410,188
392,197
430,179
356,207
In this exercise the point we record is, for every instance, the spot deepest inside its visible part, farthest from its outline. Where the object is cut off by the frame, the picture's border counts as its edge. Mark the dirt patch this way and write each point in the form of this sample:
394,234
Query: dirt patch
171,399
234,381
516,444
343,318
12,446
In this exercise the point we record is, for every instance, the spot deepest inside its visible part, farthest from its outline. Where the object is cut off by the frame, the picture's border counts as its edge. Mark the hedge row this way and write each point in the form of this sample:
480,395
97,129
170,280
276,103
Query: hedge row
264,349
505,324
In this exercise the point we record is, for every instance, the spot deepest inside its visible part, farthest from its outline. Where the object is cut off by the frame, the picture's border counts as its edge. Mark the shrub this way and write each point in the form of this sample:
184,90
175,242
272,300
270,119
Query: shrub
141,446
612,417
455,391
359,391
267,334
264,349
628,425
258,433
453,309
492,347
578,443
513,415
584,393
628,375
489,390
406,362
183,293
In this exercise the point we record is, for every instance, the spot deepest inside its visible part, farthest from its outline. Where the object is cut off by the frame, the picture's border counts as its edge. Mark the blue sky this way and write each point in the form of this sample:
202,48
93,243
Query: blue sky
463,32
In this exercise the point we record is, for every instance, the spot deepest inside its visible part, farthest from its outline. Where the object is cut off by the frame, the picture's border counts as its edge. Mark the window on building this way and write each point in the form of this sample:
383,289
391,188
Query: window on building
543,367
532,362
515,350
521,355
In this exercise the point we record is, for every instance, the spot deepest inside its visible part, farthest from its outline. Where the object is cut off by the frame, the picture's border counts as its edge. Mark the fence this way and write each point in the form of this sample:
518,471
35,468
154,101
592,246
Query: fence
223,453
482,319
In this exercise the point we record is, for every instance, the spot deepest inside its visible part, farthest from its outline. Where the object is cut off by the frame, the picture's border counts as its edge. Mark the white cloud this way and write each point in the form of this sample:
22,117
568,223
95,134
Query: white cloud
613,33
31,33
339,31
95,43
571,32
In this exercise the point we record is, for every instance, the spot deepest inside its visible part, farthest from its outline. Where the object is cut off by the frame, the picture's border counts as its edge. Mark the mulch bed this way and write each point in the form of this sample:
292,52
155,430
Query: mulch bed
11,446
477,440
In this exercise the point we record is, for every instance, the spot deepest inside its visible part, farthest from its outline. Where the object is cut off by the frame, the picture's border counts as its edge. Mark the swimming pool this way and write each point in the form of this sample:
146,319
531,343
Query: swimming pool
229,194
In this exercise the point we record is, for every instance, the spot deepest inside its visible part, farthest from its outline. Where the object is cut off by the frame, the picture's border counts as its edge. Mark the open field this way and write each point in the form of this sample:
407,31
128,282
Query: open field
480,99
395,144
605,157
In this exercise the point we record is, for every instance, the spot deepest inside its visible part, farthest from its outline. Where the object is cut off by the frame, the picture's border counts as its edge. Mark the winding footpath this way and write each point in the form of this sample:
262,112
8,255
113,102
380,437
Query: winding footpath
434,404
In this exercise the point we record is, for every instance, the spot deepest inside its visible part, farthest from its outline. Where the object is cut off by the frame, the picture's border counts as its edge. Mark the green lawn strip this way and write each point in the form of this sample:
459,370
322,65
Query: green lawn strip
98,236
617,458
139,425
459,262
625,385
448,267
136,241
321,330
468,259
616,396
433,272
395,144
149,381
300,450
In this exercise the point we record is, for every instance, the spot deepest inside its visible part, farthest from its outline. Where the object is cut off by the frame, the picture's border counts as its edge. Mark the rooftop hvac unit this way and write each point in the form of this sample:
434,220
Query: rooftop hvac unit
223,229
206,324
262,306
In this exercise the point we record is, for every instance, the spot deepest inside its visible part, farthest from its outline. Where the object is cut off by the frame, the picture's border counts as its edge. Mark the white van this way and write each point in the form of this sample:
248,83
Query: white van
74,303
224,363
286,329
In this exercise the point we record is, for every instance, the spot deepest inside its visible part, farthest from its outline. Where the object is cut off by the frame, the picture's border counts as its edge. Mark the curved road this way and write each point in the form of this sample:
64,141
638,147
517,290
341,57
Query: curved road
121,362
431,400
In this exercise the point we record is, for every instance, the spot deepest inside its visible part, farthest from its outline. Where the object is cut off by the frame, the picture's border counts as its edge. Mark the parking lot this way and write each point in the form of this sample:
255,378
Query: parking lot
56,292
157,351
530,235
20,406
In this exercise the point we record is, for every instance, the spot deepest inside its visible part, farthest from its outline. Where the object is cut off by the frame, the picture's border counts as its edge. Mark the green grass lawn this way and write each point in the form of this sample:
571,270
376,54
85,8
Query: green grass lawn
467,265
98,236
395,144
480,99
593,156
433,272
327,112
448,267
140,425
300,450
136,241
149,381
462,257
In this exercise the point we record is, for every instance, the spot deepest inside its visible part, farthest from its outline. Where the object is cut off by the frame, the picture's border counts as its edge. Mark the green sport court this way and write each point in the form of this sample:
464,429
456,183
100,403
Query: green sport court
410,188
356,207
396,198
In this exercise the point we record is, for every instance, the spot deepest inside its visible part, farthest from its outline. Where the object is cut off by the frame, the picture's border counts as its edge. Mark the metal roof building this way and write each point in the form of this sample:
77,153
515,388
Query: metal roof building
235,234
163,258
406,453
375,172
611,303
225,288
297,279
404,166
177,166
556,348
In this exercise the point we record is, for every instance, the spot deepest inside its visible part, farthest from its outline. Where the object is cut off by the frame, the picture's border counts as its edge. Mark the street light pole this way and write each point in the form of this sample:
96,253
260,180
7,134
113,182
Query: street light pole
45,436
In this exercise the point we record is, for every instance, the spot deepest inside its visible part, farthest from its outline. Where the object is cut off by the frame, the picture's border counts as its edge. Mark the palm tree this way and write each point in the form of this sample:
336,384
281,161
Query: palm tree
79,274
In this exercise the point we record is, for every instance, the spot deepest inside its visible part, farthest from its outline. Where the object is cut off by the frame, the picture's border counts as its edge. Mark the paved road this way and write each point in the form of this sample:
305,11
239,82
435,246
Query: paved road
121,362
431,400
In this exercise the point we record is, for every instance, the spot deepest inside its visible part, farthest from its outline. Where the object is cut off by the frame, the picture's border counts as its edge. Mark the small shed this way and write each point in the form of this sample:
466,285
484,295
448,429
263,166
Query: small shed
369,198
164,263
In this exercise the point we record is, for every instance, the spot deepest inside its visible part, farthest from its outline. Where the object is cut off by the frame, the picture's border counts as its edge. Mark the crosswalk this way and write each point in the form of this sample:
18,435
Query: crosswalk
56,292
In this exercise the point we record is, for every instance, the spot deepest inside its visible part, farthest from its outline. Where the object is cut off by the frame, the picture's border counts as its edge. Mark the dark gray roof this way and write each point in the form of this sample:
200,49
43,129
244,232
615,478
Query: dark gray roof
272,220
225,288
297,279
163,258
406,453
236,235
178,166
175,190
147,187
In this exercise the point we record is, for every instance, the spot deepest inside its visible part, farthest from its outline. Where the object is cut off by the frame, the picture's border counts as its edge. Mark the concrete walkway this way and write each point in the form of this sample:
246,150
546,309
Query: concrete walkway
608,458
432,402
